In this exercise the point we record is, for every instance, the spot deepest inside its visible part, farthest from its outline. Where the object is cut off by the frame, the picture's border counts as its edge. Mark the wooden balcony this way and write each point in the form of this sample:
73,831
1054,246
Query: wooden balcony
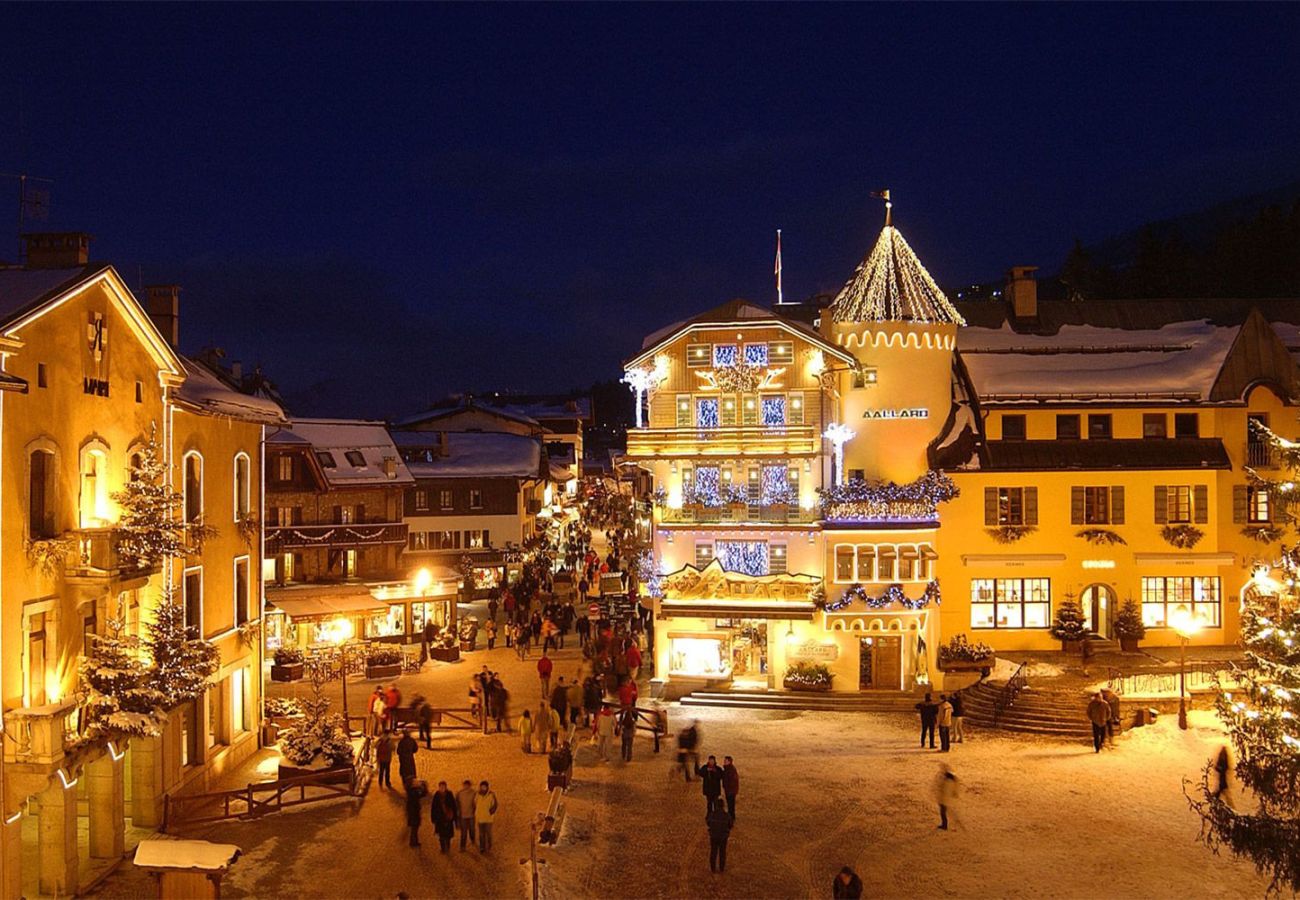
94,554
732,440
352,536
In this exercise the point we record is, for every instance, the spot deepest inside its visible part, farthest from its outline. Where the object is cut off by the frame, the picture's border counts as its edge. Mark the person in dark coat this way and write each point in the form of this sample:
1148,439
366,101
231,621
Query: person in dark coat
415,792
1114,725
406,750
384,759
443,813
1099,716
847,885
424,715
719,824
929,711
560,699
730,785
958,718
627,732
711,783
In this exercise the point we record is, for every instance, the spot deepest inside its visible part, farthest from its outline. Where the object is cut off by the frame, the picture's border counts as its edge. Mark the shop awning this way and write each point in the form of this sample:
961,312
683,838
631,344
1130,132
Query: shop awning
927,552
907,552
326,601
737,609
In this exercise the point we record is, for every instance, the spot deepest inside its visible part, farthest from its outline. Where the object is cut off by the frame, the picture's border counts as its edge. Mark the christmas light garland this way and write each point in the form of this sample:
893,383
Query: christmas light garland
891,285
893,594
862,501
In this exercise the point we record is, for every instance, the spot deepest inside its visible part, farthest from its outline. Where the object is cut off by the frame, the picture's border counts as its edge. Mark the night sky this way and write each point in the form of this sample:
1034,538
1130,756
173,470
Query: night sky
384,203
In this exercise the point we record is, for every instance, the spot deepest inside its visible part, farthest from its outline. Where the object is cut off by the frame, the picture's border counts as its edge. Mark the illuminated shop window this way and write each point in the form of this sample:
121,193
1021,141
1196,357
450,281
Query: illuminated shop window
1162,595
1010,602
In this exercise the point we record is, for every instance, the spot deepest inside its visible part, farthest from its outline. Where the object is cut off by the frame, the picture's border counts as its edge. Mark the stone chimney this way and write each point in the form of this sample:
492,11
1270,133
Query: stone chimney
442,443
164,308
1022,291
57,249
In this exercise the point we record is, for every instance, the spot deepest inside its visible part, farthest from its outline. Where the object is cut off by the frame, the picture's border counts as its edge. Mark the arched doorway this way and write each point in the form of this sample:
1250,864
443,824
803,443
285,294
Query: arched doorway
1098,601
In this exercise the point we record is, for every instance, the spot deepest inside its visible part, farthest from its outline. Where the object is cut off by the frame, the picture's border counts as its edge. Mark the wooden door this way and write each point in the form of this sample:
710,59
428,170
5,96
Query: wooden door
889,663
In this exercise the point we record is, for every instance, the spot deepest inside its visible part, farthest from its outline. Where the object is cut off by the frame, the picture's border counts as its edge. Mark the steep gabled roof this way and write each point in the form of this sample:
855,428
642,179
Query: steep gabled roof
891,285
205,391
1257,356
736,312
24,290
341,437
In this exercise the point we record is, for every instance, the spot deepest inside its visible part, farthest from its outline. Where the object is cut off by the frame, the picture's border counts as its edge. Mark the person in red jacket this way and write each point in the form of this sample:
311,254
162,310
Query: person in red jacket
633,661
627,694
544,667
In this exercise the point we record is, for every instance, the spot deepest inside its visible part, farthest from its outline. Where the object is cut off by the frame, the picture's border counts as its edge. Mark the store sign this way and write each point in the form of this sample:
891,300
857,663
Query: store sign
815,651
915,412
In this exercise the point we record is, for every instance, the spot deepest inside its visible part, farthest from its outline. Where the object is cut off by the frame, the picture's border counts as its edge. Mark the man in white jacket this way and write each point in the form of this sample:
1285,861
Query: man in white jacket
946,790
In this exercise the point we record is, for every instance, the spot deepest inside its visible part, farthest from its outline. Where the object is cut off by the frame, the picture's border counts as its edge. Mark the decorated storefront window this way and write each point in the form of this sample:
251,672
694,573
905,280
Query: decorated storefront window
436,611
747,557
701,656
773,411
706,413
387,623
756,354
725,355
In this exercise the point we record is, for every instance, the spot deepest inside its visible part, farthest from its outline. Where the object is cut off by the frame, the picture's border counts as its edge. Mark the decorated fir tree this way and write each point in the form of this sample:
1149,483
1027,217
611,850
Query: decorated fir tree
1128,622
121,699
151,527
182,661
1069,626
1262,713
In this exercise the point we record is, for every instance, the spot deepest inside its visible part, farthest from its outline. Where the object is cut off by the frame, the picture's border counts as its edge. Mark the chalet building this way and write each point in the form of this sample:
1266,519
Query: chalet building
334,538
89,372
829,476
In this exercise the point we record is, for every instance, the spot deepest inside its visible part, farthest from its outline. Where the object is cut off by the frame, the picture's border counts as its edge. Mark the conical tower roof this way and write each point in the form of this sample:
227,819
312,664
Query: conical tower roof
891,285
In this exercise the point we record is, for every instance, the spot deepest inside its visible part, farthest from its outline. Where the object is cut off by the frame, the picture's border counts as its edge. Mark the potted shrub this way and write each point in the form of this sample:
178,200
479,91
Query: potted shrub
1068,626
383,662
444,648
1128,626
808,676
287,664
468,634
964,655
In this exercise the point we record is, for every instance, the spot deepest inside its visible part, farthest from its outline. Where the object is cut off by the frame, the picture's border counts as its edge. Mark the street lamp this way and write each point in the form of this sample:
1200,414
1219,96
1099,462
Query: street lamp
1183,622
339,633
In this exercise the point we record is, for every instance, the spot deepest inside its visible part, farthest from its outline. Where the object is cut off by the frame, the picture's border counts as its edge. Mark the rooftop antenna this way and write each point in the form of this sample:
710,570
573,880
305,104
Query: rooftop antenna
883,194
33,203
780,301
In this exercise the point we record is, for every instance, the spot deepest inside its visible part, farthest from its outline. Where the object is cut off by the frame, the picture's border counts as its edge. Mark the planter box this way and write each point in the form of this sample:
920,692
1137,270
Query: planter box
381,672
444,654
983,666
332,774
1129,645
1075,647
807,688
289,672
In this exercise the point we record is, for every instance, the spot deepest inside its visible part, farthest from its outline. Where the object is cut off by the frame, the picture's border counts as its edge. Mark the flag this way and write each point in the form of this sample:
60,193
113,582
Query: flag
777,271
882,194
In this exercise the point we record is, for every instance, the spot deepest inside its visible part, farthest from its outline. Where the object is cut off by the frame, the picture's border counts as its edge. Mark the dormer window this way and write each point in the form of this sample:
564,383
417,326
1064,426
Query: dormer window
356,458
326,459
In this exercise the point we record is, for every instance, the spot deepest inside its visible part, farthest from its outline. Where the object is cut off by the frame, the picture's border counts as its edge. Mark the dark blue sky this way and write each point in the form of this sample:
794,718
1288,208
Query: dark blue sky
387,202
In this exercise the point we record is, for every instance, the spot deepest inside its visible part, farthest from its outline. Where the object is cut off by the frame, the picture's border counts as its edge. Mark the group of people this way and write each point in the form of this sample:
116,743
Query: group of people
472,811
1104,715
948,714
381,714
489,699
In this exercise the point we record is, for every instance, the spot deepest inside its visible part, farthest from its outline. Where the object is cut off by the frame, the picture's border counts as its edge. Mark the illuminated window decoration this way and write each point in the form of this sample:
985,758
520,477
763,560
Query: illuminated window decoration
892,594
776,486
746,557
839,434
773,411
863,501
740,379
706,413
756,355
708,489
725,355
891,285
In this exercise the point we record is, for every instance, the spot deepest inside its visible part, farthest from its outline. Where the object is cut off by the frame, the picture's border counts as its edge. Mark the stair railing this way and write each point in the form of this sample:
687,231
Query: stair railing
1010,691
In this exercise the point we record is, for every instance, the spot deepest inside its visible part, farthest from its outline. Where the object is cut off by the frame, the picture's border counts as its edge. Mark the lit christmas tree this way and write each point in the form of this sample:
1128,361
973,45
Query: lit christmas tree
121,699
1069,625
182,661
1261,712
151,527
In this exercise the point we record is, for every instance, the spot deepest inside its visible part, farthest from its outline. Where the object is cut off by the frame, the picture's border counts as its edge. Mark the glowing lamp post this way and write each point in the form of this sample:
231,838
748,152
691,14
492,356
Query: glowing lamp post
340,632
1182,621
838,434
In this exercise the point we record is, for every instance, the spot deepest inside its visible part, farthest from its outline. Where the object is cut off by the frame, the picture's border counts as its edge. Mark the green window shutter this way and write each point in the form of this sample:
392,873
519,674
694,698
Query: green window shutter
991,506
1200,504
1076,506
1117,504
1162,504
1239,503
1031,506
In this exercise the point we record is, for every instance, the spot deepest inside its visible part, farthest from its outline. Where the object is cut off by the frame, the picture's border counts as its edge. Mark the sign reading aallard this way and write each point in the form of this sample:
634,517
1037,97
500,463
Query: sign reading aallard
815,650
916,412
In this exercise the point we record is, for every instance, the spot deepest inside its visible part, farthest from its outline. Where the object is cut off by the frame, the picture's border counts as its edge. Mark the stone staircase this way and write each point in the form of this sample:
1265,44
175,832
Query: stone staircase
884,701
1057,714
1099,644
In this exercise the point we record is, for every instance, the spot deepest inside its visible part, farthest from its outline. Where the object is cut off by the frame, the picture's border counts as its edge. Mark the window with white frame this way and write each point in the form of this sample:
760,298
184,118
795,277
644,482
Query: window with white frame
1162,595
794,409
1257,505
475,498
284,467
192,487
444,499
773,410
421,499
683,410
243,486
725,355
756,355
844,564
243,592
1010,602
706,412
192,600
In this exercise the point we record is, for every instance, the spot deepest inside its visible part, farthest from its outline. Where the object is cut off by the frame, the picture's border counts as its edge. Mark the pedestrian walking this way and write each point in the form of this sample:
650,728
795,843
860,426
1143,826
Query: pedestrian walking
443,814
1099,716
945,722
688,743
627,731
526,731
1116,724
384,759
929,711
958,717
406,750
485,810
574,699
633,660
492,611
627,694
465,813
500,703
392,700
946,789
556,725
719,825
591,699
415,792
375,711
544,667
560,699
542,726
710,783
1222,771
604,732
490,629
730,785
424,715
847,885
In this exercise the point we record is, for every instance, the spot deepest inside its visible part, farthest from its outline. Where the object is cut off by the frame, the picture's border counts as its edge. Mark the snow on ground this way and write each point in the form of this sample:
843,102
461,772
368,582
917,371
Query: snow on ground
1005,668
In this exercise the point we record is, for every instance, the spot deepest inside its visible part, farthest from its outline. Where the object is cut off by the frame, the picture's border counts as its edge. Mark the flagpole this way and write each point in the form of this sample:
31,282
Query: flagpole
780,300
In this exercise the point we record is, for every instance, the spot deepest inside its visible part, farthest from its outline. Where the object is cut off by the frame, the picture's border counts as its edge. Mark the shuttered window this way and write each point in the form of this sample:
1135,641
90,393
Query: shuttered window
1182,504
1099,505
1010,506
1251,505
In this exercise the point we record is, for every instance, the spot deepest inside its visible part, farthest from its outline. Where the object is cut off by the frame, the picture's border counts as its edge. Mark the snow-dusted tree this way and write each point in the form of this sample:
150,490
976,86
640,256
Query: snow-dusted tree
1068,626
121,699
1262,714
151,527
182,661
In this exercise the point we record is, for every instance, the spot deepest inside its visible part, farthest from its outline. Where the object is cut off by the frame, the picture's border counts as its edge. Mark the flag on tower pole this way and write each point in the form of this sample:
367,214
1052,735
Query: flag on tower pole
777,270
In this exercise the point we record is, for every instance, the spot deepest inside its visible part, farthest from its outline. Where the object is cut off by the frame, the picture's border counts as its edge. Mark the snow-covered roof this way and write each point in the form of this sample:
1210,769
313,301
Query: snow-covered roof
205,392
470,406
891,285
581,409
21,290
1082,362
163,853
736,312
379,461
471,454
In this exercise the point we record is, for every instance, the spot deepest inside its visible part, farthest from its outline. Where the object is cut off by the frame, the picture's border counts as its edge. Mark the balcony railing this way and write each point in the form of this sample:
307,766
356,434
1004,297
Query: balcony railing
1260,455
732,439
41,734
739,514
335,536
94,552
